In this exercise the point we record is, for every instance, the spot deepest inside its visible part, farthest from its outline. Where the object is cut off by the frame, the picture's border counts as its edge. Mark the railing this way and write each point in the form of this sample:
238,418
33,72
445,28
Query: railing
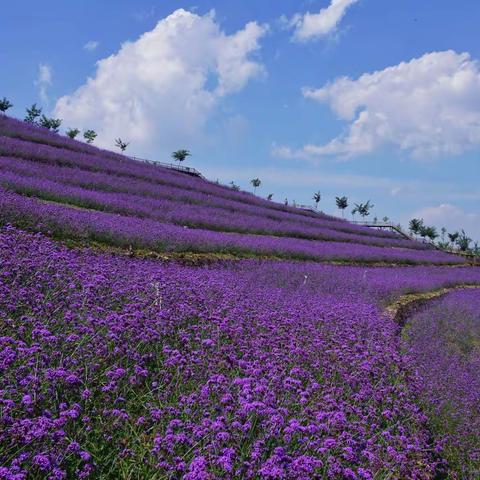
306,207
390,226
468,255
171,166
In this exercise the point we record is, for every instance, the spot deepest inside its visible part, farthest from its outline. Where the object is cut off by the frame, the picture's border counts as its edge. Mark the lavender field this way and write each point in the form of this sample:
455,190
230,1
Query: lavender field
444,341
97,195
278,362
126,368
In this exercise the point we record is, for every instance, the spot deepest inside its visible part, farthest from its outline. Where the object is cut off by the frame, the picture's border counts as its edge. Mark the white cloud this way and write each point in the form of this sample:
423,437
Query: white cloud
451,217
428,107
91,45
159,90
311,26
143,15
44,81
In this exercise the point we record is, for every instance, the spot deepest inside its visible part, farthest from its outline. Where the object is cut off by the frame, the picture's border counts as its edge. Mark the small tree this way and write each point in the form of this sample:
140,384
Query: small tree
453,237
385,219
256,183
422,231
181,155
73,132
44,122
269,196
5,105
443,230
234,186
317,197
364,209
286,202
342,203
121,144
354,211
52,124
89,135
414,225
428,232
463,241
32,114
55,124
431,233
443,245
476,249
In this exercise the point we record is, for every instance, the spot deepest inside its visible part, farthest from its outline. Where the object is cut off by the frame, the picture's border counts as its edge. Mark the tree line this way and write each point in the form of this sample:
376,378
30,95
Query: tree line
458,240
417,228
35,116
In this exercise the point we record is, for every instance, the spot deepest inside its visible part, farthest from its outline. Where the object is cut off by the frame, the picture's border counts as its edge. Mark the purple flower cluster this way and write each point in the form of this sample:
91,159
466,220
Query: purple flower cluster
179,213
113,229
48,148
126,203
181,193
129,368
116,367
444,342
381,285
124,166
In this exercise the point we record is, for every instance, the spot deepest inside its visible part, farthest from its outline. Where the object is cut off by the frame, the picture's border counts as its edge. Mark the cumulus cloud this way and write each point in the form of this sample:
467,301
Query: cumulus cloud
428,107
91,45
160,89
310,26
451,217
308,152
44,81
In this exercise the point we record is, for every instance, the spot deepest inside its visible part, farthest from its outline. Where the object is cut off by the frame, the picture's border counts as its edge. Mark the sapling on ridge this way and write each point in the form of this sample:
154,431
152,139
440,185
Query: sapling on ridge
121,144
5,105
256,183
89,135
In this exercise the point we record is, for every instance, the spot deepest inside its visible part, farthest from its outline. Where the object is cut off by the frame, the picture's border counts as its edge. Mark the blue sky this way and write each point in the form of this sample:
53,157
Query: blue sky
265,98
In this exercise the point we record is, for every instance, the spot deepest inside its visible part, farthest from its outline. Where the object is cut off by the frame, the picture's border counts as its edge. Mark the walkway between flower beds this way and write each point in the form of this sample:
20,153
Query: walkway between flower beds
439,332
407,304
200,259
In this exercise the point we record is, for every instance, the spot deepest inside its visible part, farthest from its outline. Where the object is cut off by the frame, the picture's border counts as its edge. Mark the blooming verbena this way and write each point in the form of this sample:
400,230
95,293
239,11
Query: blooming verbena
118,367
170,204
444,342
104,197
242,371
63,221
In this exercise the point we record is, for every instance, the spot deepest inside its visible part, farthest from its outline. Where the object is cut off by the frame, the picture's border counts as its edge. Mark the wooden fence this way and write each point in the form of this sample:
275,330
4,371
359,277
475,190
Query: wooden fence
170,166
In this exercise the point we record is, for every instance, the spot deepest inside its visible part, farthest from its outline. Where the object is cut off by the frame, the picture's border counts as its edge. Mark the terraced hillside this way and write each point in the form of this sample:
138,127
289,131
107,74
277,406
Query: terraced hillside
278,362
149,207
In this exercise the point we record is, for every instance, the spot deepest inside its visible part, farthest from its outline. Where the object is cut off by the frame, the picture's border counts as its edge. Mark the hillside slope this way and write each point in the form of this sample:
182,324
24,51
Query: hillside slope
102,196
279,366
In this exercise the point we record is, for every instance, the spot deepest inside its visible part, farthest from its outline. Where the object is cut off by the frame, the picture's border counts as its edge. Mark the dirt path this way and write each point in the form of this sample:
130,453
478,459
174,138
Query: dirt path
407,304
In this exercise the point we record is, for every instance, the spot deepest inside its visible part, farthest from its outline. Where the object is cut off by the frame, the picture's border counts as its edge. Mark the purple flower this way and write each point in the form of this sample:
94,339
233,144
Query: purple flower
41,461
